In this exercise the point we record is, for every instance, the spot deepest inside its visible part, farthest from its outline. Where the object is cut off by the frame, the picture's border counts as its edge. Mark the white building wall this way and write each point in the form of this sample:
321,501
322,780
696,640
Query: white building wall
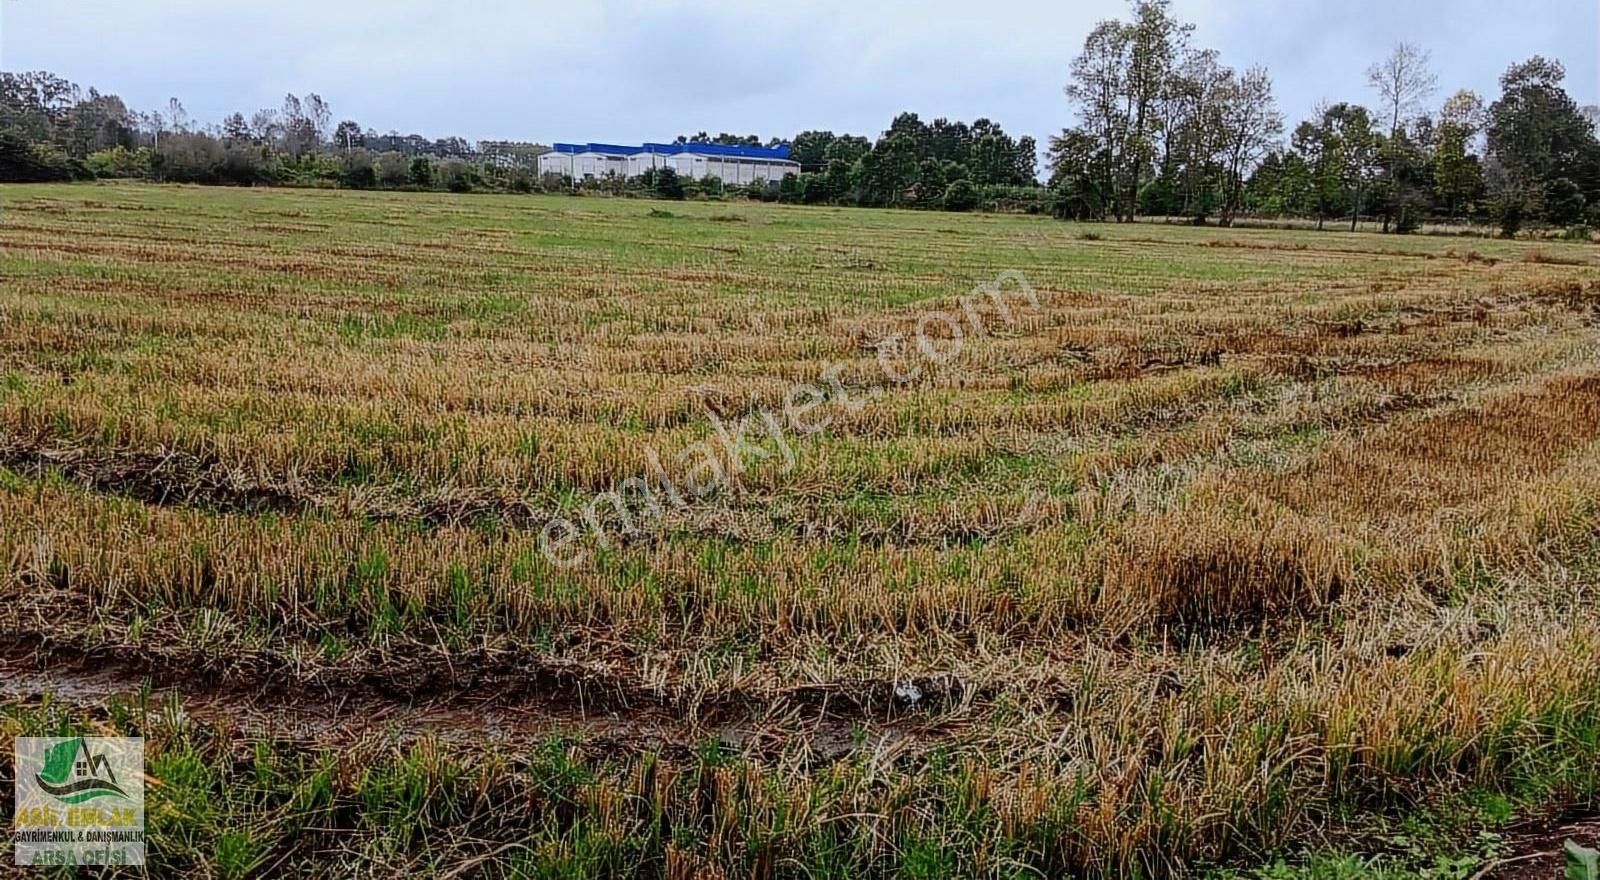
731,170
555,163
581,165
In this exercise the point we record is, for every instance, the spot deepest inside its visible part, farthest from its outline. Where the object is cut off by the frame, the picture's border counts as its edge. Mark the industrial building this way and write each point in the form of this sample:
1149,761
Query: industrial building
735,166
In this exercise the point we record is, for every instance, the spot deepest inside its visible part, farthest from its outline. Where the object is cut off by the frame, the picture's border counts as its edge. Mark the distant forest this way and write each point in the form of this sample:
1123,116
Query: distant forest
1162,128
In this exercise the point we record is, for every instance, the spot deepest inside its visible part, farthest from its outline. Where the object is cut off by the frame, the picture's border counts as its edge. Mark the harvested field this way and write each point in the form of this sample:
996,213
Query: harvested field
1229,546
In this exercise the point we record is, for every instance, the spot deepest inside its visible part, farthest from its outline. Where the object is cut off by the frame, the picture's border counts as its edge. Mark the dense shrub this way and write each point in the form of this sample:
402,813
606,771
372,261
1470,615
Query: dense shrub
119,162
1014,199
522,180
789,189
668,184
1509,214
1563,202
760,191
458,176
421,172
960,195
22,162
393,169
188,158
246,165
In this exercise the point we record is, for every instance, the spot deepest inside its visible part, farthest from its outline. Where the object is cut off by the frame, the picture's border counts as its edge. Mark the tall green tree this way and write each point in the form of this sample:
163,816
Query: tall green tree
1079,169
1359,153
1536,136
1457,173
34,106
1156,41
1317,142
1117,84
1250,125
810,149
1099,90
349,135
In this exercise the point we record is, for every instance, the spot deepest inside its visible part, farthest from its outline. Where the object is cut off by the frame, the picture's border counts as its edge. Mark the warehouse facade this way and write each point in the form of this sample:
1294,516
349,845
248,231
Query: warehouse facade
735,166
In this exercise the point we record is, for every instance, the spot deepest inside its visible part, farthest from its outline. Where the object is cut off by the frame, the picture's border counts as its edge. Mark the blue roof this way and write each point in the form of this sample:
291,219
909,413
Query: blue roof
780,152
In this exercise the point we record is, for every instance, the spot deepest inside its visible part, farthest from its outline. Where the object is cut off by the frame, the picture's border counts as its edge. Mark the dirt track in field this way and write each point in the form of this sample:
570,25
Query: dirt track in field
488,706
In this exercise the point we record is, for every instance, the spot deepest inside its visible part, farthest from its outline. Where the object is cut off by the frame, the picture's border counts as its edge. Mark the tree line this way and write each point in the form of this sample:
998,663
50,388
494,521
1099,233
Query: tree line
1165,128
1162,128
939,164
50,129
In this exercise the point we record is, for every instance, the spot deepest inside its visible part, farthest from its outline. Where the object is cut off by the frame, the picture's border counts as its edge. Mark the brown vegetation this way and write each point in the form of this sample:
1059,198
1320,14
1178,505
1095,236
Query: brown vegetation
1218,545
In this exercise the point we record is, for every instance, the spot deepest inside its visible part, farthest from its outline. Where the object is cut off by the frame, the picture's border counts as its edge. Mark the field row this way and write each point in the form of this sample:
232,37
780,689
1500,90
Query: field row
1233,539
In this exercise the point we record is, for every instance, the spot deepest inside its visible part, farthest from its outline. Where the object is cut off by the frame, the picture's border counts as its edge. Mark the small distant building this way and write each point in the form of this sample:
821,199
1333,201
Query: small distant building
735,166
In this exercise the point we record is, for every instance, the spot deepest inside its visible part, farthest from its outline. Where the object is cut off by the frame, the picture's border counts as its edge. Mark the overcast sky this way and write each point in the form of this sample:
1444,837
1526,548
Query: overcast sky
633,70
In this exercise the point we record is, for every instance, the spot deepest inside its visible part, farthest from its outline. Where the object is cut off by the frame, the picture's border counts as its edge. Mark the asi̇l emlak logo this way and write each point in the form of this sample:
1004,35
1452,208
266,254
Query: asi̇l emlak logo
73,774
79,801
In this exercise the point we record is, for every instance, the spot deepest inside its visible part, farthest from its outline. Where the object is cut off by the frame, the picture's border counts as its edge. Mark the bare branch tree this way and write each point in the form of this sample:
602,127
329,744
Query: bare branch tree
1250,124
1404,81
319,114
176,115
1098,87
